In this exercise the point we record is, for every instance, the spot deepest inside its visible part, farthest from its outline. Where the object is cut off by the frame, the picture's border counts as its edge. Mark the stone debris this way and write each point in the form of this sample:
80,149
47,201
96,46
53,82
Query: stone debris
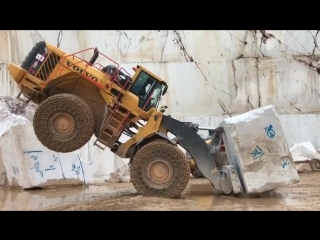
14,112
303,167
120,175
256,144
305,156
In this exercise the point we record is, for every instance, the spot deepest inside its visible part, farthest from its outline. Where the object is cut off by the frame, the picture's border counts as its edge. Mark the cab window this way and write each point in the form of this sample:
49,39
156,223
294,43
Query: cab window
142,84
144,87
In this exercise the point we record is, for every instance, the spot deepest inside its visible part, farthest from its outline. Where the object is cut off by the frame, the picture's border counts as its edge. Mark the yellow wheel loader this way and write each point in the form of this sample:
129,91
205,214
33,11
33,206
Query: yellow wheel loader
80,98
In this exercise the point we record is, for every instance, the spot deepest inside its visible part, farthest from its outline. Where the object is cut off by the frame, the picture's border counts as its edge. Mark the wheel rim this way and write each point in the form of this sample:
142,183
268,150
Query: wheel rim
159,173
62,125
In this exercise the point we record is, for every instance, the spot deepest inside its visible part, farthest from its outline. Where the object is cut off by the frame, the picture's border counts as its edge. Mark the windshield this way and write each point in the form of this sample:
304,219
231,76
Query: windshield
148,89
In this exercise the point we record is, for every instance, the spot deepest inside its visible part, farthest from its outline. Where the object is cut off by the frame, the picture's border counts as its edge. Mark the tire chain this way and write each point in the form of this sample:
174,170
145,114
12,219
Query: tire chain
72,104
165,151
220,159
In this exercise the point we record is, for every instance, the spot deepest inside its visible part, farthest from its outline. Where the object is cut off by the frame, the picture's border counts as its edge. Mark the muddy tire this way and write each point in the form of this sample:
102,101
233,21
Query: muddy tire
64,123
160,169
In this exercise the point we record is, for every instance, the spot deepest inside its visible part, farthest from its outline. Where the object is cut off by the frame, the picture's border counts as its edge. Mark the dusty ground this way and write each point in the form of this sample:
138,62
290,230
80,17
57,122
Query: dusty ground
199,195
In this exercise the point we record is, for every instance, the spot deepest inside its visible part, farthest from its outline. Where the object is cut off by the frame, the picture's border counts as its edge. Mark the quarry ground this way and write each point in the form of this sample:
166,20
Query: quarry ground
199,195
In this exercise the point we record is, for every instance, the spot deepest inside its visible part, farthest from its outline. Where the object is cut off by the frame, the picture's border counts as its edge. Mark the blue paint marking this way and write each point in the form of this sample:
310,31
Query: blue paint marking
84,180
257,152
34,157
51,167
37,168
36,151
57,158
36,164
15,170
270,132
75,169
285,163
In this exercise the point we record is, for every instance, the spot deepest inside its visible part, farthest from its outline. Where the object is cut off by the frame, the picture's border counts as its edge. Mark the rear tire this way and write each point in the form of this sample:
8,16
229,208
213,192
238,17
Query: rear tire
64,123
160,169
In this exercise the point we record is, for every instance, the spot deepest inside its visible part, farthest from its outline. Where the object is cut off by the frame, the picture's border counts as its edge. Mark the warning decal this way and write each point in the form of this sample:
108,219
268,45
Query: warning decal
40,57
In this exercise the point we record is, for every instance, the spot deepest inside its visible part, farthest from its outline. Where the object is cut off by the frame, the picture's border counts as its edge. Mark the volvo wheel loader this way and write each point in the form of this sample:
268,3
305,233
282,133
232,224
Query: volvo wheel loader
78,98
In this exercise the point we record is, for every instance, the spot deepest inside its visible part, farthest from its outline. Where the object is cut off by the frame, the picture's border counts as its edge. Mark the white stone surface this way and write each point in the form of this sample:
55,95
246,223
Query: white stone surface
304,152
305,157
256,144
120,175
29,164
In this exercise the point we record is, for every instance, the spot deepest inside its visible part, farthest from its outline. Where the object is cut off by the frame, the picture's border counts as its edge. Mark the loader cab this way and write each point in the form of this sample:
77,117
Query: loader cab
149,90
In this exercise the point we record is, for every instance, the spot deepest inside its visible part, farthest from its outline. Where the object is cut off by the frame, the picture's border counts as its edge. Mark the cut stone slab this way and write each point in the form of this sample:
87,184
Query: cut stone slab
13,112
25,162
256,145
29,164
305,154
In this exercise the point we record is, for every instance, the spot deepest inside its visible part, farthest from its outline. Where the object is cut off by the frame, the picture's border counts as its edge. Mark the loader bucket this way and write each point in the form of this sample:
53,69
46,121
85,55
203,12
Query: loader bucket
196,147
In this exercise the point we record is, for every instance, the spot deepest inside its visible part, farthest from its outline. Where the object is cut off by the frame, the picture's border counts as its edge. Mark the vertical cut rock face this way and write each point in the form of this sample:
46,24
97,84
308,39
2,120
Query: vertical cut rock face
256,145
25,162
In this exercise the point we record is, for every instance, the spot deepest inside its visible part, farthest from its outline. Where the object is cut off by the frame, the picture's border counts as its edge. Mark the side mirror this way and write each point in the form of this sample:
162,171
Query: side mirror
165,90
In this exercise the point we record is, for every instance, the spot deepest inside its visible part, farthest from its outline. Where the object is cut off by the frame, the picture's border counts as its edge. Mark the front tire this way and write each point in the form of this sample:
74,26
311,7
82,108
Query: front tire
64,123
160,169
